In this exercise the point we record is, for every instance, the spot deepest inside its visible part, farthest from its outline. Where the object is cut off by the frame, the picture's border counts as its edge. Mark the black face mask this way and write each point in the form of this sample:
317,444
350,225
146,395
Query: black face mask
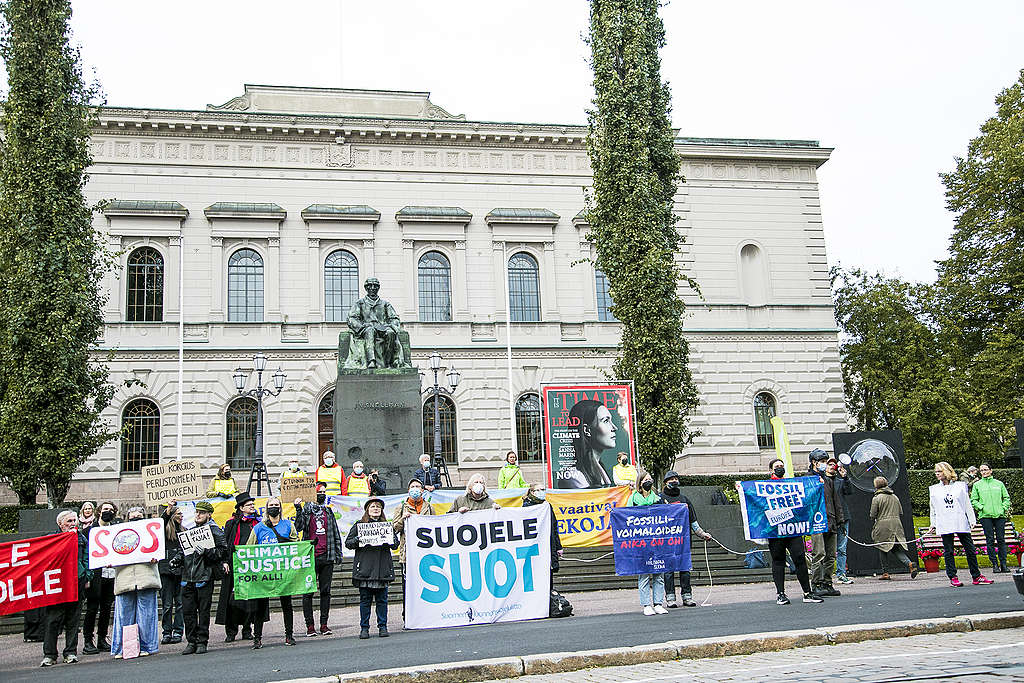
321,498
646,485
672,488
107,515
274,512
779,472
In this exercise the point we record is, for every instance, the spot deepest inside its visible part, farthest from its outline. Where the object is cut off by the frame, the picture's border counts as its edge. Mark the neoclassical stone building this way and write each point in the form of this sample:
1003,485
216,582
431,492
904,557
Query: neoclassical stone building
255,222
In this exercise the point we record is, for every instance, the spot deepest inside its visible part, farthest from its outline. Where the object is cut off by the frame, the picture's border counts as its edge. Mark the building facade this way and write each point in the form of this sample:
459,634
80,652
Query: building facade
254,223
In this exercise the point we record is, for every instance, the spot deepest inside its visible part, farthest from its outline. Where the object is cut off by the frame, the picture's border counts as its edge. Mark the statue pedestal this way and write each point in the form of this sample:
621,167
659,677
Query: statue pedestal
378,419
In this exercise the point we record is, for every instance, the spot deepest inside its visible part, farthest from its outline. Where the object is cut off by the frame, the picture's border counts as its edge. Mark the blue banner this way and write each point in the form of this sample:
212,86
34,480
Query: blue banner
651,540
780,508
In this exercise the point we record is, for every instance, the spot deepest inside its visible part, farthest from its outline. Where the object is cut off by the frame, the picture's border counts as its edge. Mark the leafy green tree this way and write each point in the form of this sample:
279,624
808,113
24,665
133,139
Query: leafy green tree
51,393
636,174
981,284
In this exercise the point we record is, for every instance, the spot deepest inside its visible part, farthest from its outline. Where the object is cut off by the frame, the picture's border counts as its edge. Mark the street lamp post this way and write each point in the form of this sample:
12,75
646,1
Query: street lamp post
258,470
453,382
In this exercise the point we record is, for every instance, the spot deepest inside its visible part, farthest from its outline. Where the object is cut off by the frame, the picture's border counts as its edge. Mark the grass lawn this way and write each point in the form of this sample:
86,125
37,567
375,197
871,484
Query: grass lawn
983,561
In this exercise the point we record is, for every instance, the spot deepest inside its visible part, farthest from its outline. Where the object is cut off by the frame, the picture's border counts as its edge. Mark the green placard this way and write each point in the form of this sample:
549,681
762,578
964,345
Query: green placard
273,569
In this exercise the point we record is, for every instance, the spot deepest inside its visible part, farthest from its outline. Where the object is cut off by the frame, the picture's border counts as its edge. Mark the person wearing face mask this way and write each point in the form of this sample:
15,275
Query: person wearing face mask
272,529
650,586
64,616
509,476
197,577
429,475
991,503
530,499
317,524
222,485
673,495
362,485
475,497
135,600
232,613
624,473
823,546
293,471
414,504
99,599
777,548
170,576
372,570
332,474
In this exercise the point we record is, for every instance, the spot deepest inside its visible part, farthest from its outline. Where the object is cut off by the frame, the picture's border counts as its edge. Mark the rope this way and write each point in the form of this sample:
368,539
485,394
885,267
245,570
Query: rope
711,578
580,559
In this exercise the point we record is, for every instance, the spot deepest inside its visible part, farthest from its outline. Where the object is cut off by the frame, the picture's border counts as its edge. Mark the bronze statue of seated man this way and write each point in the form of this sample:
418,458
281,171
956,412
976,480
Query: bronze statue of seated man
375,328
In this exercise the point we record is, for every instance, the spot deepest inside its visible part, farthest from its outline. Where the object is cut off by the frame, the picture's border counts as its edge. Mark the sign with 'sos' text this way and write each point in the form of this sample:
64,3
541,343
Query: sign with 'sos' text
652,539
36,572
174,480
272,570
780,508
478,567
128,543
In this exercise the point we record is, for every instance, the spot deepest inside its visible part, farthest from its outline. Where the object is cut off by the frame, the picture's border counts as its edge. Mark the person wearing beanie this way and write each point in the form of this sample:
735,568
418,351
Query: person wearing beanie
415,503
233,613
372,570
824,545
316,522
672,494
198,572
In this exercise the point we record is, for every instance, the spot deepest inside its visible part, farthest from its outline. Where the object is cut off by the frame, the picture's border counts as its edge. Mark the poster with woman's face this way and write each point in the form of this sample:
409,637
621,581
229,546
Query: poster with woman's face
586,428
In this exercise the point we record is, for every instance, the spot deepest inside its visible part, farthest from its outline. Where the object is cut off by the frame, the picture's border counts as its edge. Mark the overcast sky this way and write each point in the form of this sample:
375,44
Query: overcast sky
897,88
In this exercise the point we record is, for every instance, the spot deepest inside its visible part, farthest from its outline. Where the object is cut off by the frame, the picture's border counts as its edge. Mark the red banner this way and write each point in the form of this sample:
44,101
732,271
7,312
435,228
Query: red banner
36,572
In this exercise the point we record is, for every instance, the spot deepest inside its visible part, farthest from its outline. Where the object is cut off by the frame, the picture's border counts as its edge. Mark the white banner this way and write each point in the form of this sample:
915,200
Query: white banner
478,567
375,533
128,543
196,538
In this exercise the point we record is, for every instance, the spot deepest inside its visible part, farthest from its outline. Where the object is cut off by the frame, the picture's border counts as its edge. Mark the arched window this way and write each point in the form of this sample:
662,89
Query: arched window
140,443
245,287
764,411
528,429
449,442
523,288
754,275
341,285
604,298
435,284
145,285
325,425
240,442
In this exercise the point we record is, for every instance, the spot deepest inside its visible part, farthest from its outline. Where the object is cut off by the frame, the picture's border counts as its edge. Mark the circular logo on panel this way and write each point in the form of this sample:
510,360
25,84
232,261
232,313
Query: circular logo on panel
125,541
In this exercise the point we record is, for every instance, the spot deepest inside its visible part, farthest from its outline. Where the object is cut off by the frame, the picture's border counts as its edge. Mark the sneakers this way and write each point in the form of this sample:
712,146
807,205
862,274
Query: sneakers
325,630
288,640
660,609
955,582
649,611
48,661
688,601
190,649
364,633
671,604
844,579
143,653
782,599
827,592
201,649
810,597
914,571
981,581
71,659
311,632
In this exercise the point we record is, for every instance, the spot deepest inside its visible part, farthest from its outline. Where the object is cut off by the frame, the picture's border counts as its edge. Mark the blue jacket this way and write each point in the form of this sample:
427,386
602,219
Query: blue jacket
265,534
429,477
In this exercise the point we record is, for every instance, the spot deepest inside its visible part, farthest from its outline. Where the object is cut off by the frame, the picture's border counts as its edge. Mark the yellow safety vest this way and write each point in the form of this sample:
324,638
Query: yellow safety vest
359,486
288,474
226,486
332,476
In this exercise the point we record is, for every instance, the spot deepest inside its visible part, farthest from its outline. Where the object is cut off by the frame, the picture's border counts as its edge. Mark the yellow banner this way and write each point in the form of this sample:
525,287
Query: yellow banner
581,517
782,444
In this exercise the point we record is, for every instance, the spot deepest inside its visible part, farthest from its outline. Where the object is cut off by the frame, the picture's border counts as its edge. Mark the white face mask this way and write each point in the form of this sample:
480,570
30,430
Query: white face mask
478,488
357,470
293,466
329,462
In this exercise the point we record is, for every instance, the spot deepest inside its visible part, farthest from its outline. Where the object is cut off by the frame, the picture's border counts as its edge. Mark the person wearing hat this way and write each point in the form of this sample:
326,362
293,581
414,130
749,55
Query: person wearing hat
372,570
233,613
673,495
823,546
316,522
414,504
197,576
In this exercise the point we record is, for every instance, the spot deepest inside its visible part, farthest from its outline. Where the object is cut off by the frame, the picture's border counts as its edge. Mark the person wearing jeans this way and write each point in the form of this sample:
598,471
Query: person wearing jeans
315,522
650,586
372,570
842,488
952,515
991,502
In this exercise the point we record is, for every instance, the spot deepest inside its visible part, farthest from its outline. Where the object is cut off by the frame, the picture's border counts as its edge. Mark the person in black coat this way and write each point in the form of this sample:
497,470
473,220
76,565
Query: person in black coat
531,498
372,570
823,546
673,495
233,613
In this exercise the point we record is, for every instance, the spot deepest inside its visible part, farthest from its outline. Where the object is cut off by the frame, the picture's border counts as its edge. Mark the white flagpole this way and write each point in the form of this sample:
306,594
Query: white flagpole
508,351
181,342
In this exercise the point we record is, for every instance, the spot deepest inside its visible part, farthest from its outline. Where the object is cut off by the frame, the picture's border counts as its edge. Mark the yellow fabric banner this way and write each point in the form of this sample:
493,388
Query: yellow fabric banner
782,444
581,517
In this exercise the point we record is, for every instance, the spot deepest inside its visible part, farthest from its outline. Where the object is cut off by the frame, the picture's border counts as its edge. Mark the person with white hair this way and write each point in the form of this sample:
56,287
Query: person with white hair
332,474
429,475
363,485
64,616
475,498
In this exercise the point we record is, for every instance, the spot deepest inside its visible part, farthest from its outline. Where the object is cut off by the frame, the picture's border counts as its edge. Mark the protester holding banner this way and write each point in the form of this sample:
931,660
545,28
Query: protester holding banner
624,473
316,523
199,569
332,474
475,498
672,494
430,476
414,504
510,477
530,498
135,600
651,586
170,576
373,568
953,515
222,485
232,613
86,516
64,616
823,545
272,529
887,529
100,595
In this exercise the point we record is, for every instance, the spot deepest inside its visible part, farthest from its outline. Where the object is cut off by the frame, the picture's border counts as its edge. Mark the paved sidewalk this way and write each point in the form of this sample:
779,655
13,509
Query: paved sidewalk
992,656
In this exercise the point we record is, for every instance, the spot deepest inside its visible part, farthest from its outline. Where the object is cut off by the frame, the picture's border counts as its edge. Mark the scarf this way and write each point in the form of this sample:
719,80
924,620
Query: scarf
416,506
238,529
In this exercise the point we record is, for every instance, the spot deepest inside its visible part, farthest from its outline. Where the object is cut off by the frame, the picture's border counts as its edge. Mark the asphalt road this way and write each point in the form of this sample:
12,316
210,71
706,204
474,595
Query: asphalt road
323,656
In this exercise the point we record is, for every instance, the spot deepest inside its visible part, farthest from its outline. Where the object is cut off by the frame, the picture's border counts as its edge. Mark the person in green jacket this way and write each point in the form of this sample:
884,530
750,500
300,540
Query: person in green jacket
992,503
651,586
510,477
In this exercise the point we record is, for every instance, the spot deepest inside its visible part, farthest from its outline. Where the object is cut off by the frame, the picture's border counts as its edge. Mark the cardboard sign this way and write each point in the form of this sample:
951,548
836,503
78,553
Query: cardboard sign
38,572
196,538
174,480
298,487
376,533
128,543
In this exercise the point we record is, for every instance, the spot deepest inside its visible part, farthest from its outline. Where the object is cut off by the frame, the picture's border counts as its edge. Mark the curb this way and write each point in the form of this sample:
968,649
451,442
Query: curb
695,648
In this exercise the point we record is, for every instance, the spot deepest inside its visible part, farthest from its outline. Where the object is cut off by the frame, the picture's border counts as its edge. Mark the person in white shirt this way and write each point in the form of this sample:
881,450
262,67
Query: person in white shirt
953,515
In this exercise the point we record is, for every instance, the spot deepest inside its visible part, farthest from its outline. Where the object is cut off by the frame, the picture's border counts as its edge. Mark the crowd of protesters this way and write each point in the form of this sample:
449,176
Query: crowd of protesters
185,583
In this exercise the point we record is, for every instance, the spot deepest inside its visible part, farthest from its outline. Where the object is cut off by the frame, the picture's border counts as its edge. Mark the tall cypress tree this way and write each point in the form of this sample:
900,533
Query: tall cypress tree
51,393
636,174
